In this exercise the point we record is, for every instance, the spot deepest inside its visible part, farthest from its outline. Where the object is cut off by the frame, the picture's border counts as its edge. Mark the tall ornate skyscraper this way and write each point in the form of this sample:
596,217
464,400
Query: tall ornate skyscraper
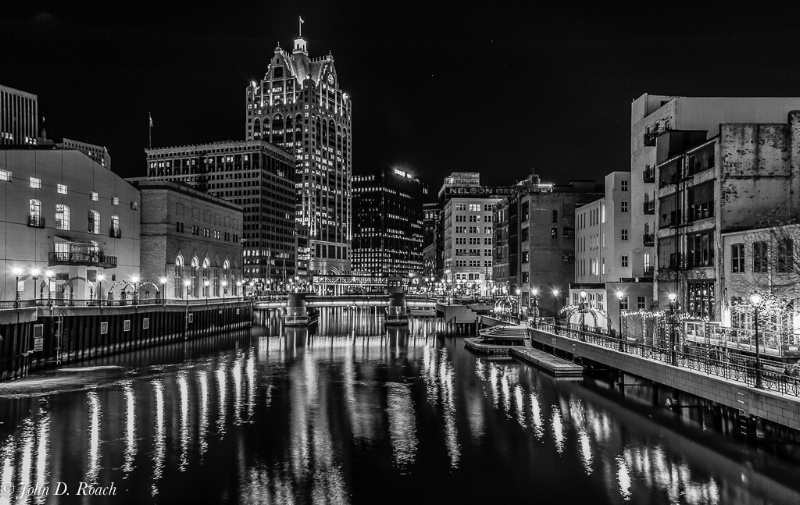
299,107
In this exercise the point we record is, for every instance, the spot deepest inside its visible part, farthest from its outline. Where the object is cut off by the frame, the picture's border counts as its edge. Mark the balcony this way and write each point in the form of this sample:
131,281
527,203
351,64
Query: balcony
649,174
649,207
649,239
35,222
115,233
649,271
669,179
98,259
650,134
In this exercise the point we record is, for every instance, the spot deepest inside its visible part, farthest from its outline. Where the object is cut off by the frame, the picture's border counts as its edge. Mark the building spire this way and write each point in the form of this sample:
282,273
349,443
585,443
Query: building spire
301,24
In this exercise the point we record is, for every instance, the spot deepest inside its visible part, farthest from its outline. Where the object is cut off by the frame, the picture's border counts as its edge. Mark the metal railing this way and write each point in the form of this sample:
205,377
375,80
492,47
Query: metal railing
130,302
716,364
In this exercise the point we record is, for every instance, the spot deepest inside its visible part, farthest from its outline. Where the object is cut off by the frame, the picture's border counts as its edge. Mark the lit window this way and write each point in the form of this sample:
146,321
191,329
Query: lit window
93,196
5,175
62,189
62,217
115,200
36,183
94,222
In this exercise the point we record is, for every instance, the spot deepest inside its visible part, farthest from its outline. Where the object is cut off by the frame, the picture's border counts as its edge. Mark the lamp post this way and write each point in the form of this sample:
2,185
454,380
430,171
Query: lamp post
519,302
756,300
673,354
17,273
100,278
49,274
224,289
556,292
583,312
163,281
620,296
35,272
186,326
135,280
535,294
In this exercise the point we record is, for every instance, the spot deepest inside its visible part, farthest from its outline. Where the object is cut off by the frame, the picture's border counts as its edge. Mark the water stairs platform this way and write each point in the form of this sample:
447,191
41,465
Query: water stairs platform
556,366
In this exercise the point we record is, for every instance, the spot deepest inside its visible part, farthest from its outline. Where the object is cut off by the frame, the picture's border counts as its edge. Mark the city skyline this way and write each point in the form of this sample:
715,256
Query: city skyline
416,77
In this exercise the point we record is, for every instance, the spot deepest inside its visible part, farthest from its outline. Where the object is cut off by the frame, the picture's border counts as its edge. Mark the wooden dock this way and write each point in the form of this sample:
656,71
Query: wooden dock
557,366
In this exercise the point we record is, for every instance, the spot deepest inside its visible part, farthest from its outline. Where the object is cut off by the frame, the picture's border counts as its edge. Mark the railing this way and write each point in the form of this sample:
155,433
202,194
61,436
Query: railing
138,301
711,364
648,239
649,206
82,258
649,271
35,221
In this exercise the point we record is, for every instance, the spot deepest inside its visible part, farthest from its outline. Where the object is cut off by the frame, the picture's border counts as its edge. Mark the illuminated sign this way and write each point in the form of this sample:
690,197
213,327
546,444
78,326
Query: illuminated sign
477,191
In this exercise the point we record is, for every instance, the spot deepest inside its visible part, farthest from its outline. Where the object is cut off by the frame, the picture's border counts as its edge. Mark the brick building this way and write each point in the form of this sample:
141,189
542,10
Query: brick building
189,236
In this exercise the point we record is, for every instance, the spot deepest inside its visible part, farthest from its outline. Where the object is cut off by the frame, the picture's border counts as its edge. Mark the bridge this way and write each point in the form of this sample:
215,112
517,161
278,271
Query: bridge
346,301
765,394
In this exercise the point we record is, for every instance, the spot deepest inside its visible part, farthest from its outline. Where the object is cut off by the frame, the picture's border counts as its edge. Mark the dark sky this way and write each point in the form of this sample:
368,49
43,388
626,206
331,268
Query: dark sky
437,87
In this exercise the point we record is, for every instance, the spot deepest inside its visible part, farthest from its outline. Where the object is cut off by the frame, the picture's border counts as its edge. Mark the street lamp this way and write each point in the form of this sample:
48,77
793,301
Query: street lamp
17,273
49,274
673,355
238,288
224,289
519,302
556,292
100,278
756,300
163,281
35,272
583,294
620,296
535,294
135,280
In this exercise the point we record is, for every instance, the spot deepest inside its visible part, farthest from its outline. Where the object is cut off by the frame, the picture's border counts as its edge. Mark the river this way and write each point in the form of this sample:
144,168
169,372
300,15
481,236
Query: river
357,414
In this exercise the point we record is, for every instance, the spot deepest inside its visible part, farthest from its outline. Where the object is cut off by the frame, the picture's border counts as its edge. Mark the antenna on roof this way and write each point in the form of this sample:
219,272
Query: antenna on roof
301,25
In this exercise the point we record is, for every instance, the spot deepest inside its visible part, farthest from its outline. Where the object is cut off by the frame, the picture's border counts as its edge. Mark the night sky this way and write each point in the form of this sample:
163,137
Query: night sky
436,88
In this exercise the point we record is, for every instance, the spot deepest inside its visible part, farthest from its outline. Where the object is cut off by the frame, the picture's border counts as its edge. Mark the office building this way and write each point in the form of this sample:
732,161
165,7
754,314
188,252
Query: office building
19,117
254,175
388,224
299,106
98,154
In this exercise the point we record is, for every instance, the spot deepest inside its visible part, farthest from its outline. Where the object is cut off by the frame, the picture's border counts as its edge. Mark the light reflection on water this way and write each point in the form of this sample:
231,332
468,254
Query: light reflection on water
353,418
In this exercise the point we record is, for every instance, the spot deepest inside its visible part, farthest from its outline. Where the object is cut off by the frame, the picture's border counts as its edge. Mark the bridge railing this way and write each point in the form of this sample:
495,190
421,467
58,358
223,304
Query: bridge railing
723,366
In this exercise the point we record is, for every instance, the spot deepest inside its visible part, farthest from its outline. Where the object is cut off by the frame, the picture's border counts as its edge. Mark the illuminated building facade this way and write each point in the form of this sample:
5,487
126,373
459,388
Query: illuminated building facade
255,175
98,154
299,107
388,221
19,117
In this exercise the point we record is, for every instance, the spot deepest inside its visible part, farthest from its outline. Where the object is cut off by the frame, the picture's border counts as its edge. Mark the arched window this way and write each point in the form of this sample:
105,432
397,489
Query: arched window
193,286
205,276
62,217
94,222
115,231
178,277
35,217
215,280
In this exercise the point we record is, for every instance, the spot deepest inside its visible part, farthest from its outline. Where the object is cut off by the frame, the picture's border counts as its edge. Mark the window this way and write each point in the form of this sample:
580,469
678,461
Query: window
115,200
623,303
624,234
623,185
5,175
62,217
625,261
784,259
737,258
554,232
178,278
525,256
760,253
700,249
624,206
640,303
555,216
93,196
62,189
115,223
179,227
36,209
525,277
94,222
36,183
